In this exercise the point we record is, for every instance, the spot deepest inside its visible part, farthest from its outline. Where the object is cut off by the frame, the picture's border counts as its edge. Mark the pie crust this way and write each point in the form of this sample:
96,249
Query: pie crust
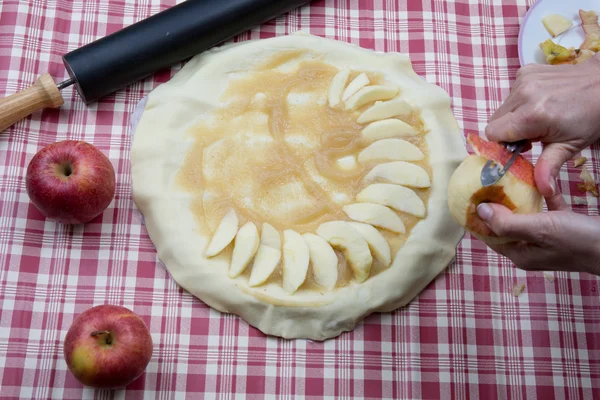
258,204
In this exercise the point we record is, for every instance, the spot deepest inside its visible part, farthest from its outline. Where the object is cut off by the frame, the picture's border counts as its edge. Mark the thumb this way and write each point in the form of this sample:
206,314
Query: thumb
548,167
505,223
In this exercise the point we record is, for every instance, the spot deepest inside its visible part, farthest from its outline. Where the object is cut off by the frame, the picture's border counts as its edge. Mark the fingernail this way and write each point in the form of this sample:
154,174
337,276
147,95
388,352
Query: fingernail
553,186
485,212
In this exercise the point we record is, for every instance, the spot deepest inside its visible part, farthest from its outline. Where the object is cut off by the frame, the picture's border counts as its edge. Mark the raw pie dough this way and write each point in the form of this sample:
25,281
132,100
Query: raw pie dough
298,182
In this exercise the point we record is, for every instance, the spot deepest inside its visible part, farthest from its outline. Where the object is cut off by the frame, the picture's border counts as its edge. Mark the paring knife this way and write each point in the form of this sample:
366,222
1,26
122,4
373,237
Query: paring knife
492,172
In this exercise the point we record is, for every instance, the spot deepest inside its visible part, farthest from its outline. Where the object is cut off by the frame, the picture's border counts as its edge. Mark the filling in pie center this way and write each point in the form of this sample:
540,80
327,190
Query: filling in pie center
278,151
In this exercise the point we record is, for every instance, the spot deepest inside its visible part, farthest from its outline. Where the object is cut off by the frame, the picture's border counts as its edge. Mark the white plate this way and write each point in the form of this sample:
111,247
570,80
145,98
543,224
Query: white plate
533,32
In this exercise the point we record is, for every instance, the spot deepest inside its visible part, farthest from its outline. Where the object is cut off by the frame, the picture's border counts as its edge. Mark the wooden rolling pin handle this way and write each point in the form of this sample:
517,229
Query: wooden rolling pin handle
42,94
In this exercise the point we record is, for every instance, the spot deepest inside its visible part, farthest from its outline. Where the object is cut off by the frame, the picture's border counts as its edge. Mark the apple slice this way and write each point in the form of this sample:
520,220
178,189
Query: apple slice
357,83
370,94
376,215
401,173
387,128
347,163
224,234
390,150
589,20
556,24
244,248
377,243
384,110
336,87
296,257
267,257
323,259
397,197
356,250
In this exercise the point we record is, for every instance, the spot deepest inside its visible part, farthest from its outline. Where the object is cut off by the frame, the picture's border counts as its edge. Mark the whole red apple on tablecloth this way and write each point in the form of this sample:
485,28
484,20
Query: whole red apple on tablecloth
70,181
108,347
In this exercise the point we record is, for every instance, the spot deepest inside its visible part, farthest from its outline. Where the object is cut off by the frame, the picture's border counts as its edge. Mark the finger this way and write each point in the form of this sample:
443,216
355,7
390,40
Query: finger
509,105
514,126
548,166
505,223
530,69
557,203
515,99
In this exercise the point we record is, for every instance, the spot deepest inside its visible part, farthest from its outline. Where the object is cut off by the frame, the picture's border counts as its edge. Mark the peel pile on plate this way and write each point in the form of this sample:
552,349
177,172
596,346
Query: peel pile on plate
557,24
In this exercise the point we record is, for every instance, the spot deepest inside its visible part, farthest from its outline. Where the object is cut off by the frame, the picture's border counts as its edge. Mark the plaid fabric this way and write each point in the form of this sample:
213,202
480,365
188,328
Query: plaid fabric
466,336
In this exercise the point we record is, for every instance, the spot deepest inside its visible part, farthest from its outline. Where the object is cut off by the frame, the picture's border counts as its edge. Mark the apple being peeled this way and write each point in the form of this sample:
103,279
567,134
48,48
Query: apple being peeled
70,181
516,190
108,347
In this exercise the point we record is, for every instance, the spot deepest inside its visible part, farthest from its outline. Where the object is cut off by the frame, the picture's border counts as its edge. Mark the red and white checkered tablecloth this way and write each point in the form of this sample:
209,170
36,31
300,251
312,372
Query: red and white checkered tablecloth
465,336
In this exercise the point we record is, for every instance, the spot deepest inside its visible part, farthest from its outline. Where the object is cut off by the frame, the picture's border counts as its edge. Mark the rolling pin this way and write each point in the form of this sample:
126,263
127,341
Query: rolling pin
137,51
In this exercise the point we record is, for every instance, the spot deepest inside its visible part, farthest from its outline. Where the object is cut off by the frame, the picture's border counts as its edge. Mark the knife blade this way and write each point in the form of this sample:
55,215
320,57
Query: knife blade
492,172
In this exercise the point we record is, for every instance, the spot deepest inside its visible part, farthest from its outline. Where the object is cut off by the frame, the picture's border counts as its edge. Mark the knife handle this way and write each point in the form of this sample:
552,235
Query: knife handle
516,146
42,94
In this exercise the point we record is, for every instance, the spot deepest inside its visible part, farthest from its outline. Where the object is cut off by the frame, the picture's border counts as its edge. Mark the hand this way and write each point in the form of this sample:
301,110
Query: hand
559,240
557,105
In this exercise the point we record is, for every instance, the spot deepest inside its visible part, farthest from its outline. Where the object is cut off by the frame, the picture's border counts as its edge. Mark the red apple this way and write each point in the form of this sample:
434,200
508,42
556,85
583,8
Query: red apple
108,347
516,190
70,181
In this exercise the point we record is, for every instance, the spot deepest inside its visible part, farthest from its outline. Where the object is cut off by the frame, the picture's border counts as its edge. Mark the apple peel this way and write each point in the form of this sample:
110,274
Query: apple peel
589,21
521,168
579,161
557,54
518,289
589,184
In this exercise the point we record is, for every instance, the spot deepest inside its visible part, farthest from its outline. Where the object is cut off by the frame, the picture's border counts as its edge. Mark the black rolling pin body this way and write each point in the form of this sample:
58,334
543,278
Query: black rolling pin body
171,36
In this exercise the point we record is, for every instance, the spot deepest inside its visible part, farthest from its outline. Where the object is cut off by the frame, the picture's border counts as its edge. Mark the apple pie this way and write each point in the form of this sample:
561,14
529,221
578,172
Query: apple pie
298,182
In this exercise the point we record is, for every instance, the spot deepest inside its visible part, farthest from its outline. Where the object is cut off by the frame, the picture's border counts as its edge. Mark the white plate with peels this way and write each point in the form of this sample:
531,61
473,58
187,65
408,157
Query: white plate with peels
533,32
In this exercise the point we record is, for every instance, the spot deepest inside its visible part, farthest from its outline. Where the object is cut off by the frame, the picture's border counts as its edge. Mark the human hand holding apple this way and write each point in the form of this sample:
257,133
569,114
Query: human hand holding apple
71,181
516,190
557,106
507,217
558,240
107,347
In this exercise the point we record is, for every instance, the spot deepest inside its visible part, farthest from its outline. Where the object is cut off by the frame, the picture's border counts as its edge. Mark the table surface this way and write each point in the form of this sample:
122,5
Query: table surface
465,336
